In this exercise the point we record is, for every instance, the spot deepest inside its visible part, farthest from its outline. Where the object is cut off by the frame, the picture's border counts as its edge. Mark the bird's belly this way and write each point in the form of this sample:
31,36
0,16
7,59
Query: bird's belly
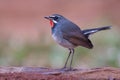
62,41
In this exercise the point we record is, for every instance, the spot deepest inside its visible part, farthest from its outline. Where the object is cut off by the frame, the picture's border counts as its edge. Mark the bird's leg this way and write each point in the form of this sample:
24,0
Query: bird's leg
67,59
72,51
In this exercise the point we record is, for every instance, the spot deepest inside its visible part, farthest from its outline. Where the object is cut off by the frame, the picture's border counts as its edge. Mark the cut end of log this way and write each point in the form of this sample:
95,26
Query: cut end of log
37,73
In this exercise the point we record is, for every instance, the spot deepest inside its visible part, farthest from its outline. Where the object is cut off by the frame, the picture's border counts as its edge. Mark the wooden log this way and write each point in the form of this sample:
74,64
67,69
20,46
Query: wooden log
37,73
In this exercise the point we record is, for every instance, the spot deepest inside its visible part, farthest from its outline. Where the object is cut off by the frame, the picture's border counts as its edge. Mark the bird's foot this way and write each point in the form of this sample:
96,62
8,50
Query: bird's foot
67,69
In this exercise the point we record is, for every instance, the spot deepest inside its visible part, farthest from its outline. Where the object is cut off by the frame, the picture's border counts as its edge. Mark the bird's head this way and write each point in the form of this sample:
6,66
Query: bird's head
54,19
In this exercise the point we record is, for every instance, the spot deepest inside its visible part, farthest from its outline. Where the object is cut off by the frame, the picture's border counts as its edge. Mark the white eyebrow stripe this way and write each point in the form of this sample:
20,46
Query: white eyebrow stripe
52,16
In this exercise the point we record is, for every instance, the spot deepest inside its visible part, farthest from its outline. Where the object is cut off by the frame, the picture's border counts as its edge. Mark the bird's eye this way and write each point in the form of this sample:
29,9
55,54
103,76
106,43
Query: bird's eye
55,18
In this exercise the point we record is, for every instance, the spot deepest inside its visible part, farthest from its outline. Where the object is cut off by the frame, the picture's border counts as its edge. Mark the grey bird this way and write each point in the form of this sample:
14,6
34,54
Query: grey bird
69,35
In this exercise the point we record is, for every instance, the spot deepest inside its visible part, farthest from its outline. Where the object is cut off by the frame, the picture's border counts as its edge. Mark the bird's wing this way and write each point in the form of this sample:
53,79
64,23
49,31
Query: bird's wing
75,36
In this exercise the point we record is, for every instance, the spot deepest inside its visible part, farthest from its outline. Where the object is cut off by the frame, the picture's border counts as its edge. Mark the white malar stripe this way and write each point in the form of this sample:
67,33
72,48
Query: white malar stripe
54,21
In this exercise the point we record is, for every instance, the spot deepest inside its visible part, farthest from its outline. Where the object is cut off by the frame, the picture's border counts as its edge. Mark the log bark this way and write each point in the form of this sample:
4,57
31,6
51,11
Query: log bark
37,73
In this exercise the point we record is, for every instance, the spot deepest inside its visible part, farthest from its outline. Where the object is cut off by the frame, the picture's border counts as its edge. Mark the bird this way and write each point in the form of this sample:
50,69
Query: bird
69,35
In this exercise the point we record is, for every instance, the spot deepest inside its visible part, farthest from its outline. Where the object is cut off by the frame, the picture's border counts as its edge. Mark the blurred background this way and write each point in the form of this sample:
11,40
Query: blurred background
25,36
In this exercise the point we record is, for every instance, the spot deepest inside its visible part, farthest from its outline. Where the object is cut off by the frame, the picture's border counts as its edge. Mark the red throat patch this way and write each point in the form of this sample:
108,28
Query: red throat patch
51,23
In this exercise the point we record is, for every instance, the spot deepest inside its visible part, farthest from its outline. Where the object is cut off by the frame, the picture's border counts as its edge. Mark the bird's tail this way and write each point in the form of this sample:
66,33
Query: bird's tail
88,32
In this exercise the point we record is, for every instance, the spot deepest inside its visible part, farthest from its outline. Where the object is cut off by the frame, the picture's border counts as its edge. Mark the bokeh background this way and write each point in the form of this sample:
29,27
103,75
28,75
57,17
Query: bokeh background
25,36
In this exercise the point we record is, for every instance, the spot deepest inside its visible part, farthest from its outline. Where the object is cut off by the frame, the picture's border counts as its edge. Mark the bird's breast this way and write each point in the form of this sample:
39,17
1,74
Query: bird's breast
61,41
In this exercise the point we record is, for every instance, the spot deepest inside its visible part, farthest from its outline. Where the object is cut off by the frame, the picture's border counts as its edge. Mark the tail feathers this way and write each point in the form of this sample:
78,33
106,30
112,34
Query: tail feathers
88,32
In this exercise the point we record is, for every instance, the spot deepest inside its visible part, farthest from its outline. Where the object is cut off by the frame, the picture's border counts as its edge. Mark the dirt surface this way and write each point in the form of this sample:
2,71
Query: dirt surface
36,73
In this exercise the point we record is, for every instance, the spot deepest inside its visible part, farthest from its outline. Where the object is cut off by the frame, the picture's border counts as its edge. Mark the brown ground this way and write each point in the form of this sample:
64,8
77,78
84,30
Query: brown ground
35,73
